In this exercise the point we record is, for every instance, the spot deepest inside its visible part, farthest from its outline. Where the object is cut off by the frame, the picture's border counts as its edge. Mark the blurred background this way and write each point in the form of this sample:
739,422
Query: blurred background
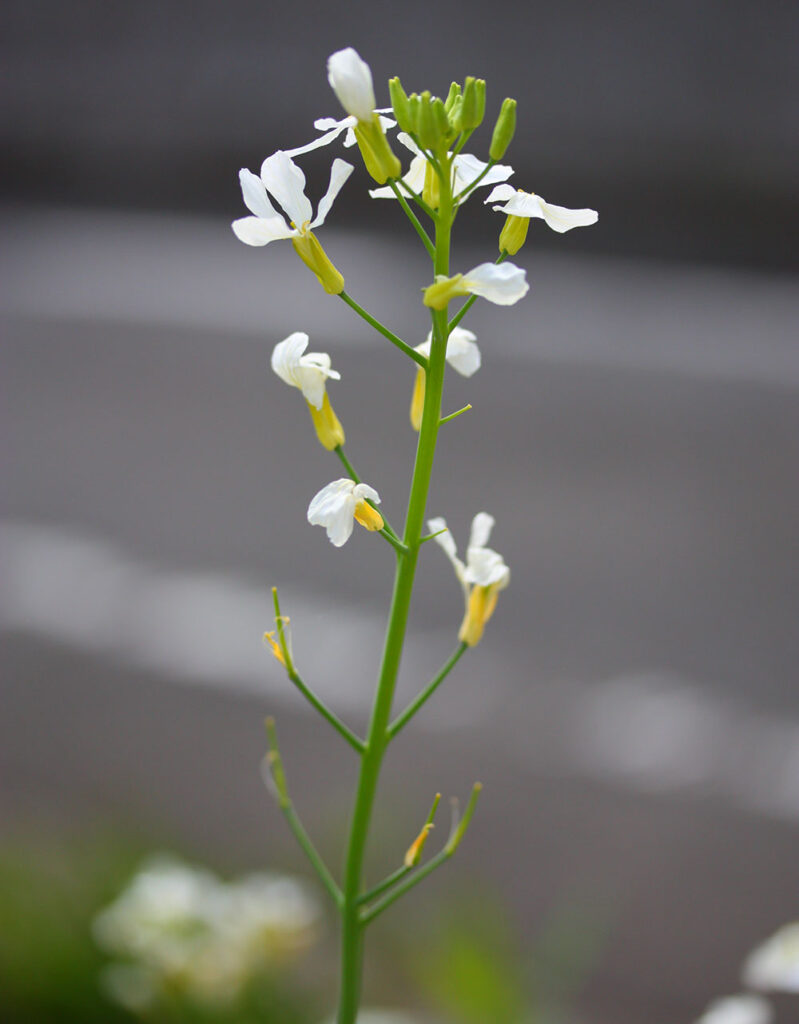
633,710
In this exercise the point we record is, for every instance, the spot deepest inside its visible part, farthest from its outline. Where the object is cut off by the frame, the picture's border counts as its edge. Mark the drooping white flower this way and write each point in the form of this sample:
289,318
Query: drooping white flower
284,181
466,169
350,79
333,128
482,576
774,966
528,205
463,355
738,1010
307,371
340,504
503,284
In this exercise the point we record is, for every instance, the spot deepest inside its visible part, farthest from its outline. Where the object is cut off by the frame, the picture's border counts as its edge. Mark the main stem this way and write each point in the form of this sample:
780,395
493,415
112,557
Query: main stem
377,739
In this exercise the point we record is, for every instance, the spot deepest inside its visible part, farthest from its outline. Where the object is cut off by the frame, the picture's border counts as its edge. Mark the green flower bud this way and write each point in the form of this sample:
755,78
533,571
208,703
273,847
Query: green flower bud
513,234
401,105
452,95
474,104
442,121
426,129
504,130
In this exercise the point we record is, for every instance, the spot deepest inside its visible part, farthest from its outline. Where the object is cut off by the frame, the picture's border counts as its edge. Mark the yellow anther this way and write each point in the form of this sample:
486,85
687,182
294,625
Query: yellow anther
513,234
368,517
328,428
417,401
414,853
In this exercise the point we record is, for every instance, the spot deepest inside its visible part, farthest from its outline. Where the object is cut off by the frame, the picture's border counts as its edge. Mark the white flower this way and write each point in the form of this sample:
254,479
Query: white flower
463,354
738,1010
339,504
528,204
482,576
333,129
284,181
351,80
466,168
307,372
503,284
774,966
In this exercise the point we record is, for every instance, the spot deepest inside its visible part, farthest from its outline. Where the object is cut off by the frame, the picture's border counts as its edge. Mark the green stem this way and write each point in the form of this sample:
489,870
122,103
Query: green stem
402,720
417,199
357,744
382,329
420,231
392,897
377,738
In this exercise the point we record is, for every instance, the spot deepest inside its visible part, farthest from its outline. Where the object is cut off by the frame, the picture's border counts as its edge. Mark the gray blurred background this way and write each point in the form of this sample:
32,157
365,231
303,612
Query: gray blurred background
633,709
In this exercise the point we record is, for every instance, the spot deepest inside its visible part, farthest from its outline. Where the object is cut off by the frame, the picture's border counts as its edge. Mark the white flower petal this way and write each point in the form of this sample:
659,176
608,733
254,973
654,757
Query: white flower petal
485,568
413,178
339,173
774,966
336,128
463,354
257,231
447,544
482,525
351,80
503,284
468,168
561,219
286,182
254,194
738,1010
501,193
362,491
286,356
333,508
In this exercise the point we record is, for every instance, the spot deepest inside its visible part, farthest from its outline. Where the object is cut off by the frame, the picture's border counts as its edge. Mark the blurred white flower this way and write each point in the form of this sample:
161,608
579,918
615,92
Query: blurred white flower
308,371
338,505
482,576
382,1017
284,181
738,1010
182,929
774,966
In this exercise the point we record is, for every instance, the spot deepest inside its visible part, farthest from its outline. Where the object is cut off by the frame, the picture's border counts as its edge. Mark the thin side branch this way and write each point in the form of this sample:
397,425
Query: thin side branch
420,231
402,719
382,329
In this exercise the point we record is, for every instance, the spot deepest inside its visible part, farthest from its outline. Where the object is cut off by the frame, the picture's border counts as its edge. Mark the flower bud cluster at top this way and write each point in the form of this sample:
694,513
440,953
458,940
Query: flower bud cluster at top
436,123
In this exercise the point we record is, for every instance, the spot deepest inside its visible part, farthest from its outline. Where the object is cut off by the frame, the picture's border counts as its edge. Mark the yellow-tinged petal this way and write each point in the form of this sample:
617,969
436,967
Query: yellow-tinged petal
368,517
307,247
417,401
380,162
328,428
443,290
479,609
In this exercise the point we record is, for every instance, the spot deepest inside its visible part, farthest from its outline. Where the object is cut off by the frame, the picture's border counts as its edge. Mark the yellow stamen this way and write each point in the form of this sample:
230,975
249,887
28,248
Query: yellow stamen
328,429
414,854
368,517
513,234
417,401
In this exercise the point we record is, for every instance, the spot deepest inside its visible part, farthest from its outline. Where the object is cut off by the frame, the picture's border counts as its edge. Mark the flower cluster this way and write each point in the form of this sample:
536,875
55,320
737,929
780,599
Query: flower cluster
180,929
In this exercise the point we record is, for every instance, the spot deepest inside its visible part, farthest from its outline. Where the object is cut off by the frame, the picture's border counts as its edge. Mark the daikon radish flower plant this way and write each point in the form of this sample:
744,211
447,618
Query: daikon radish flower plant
431,186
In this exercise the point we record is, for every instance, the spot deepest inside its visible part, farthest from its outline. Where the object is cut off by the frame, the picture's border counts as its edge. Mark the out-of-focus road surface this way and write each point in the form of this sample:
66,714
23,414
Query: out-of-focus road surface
633,709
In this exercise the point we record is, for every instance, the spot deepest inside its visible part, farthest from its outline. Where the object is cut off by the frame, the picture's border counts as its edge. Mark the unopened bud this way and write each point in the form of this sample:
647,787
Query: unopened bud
314,257
474,103
453,94
426,128
401,105
504,130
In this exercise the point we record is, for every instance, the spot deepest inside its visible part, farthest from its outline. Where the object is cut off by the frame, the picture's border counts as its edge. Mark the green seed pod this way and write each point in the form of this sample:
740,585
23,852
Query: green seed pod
504,130
401,105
